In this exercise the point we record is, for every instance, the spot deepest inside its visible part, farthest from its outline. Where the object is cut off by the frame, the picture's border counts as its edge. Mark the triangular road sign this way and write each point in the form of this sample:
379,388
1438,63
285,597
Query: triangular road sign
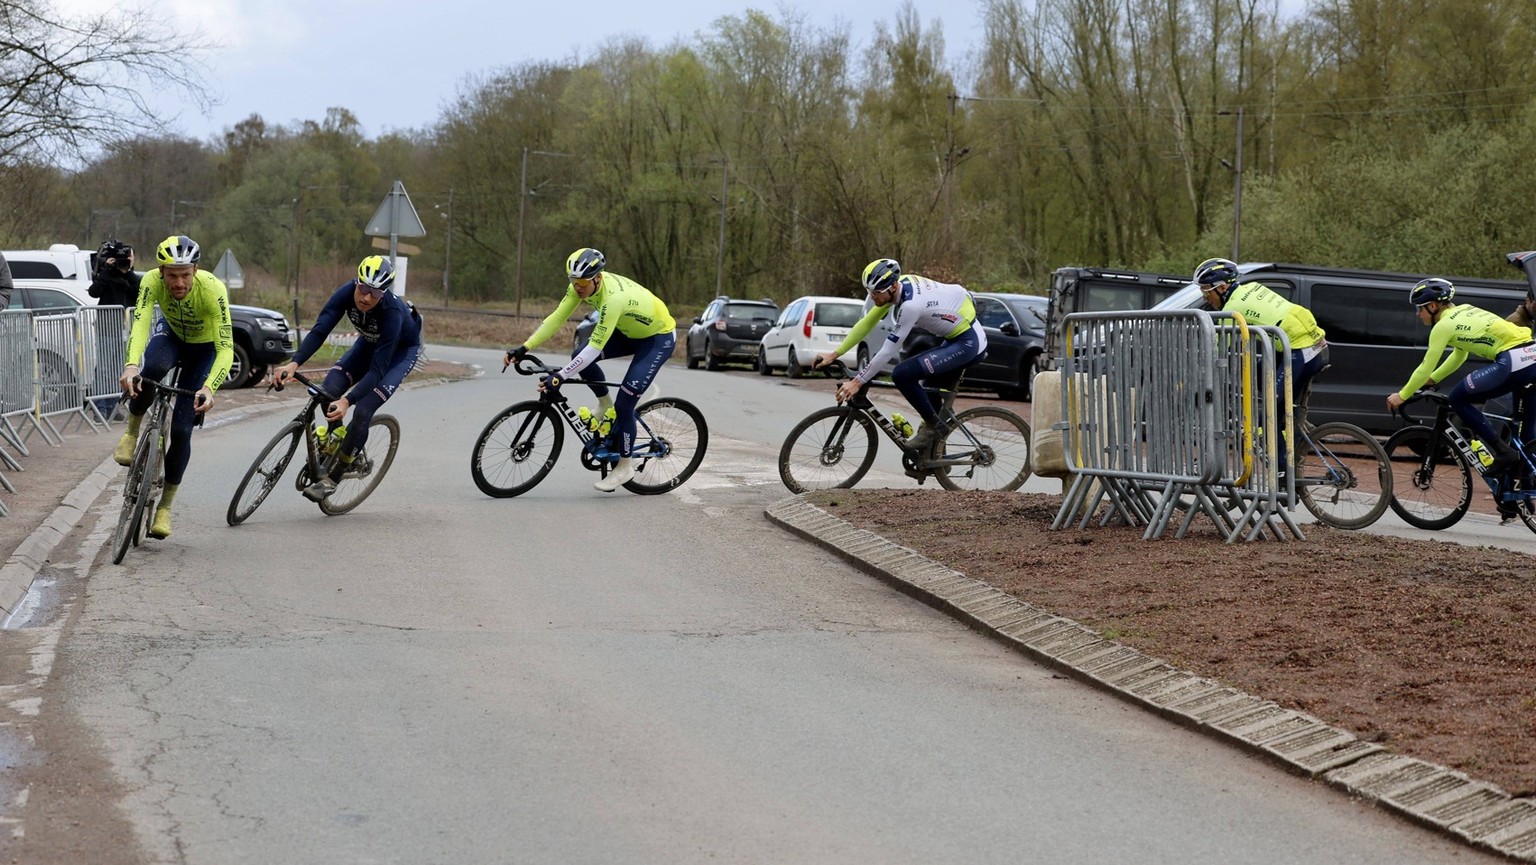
396,216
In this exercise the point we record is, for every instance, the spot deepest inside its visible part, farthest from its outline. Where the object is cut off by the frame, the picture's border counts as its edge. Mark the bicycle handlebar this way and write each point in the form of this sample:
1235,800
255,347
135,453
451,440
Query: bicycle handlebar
309,384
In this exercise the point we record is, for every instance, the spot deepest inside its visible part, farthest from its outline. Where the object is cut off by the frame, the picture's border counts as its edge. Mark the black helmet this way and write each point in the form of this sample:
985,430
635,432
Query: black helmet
1430,290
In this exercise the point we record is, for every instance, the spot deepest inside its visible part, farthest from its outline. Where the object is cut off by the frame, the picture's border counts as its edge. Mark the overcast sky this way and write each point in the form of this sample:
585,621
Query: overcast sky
396,64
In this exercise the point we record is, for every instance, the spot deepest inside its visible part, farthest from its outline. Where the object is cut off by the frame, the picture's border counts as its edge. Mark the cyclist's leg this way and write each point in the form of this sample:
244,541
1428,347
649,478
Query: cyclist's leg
650,354
618,345
1476,388
1305,365
196,361
159,356
938,363
370,402
350,367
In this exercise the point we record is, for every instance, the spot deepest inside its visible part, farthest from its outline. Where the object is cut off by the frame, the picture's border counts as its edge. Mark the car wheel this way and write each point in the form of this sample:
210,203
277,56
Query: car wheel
56,379
794,369
863,355
258,375
762,363
239,369
693,362
711,362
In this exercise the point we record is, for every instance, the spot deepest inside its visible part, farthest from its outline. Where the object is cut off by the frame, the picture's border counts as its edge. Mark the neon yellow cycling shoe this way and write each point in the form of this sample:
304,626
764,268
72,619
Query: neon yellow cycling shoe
123,453
161,527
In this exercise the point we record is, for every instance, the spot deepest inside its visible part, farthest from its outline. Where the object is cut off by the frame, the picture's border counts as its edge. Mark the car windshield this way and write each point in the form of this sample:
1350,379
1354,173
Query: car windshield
1185,298
838,314
751,312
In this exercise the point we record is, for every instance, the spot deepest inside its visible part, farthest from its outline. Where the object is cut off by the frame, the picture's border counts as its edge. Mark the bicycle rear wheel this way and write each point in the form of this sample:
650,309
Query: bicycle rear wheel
1345,479
131,516
516,450
262,477
832,448
368,467
670,440
998,459
1431,485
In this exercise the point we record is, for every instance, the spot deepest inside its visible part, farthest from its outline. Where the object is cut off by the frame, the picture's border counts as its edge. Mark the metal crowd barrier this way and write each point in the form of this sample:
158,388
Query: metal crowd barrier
56,369
1174,412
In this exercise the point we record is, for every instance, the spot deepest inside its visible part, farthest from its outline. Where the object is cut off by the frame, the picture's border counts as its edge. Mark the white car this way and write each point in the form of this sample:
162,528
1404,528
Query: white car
808,326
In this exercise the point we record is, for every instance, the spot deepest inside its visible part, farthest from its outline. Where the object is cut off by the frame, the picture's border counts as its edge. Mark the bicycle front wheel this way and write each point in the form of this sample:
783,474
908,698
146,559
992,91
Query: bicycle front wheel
132,514
262,477
516,450
988,449
368,467
831,449
670,439
1345,479
1431,485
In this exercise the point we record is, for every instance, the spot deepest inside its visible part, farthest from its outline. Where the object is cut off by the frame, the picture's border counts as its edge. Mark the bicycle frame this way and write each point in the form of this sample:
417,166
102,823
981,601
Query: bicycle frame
646,444
1449,424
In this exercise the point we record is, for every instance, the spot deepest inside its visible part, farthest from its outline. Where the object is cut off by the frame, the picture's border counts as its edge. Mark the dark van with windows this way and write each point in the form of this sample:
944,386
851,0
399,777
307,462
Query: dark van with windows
1374,338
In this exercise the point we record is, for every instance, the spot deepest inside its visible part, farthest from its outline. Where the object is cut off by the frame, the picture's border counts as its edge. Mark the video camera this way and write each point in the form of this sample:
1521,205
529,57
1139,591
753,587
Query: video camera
116,254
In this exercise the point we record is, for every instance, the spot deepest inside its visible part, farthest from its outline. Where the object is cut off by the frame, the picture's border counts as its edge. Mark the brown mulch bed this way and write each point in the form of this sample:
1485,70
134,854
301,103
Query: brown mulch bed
1425,646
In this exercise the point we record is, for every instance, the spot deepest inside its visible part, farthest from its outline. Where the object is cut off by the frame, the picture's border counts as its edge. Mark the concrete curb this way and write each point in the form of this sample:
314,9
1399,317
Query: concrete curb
1464,808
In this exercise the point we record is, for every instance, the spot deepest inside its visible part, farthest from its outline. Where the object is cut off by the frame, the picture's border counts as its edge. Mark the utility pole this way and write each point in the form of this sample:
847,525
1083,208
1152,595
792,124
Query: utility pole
1237,185
725,178
448,246
522,210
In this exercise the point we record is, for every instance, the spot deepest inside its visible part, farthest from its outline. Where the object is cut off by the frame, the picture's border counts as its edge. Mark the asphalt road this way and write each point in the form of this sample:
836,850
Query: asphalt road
577,677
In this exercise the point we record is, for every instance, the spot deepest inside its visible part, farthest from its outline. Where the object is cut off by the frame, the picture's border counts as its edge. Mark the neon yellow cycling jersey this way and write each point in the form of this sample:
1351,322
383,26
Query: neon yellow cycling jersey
202,316
623,304
1258,304
1464,330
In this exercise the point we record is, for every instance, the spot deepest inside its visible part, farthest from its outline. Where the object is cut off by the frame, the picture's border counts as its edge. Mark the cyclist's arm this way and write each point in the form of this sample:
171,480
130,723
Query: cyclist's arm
335,307
607,323
862,329
143,317
1426,371
892,345
552,323
223,339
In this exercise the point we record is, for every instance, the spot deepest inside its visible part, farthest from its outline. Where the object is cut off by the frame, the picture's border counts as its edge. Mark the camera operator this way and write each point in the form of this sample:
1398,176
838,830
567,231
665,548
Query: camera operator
113,284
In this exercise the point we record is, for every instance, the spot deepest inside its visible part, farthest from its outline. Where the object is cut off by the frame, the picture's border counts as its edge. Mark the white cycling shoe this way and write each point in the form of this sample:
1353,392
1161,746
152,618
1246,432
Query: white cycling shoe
620,475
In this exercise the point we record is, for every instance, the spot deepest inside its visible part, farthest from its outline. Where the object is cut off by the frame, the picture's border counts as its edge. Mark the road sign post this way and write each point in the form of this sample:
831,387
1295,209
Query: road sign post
396,218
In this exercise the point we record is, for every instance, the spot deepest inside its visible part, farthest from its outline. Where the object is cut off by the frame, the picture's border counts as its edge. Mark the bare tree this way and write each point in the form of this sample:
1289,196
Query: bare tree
68,84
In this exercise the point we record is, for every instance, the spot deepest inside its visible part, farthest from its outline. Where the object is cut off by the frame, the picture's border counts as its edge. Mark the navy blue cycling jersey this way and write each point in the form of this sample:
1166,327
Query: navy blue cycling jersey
391,328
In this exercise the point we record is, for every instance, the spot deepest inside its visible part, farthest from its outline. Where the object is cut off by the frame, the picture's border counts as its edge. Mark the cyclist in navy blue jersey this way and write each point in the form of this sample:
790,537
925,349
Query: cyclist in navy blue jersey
388,346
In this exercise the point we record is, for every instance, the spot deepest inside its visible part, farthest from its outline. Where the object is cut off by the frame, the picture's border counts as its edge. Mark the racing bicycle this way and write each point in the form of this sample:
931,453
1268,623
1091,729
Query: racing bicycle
368,468
986,448
519,446
1345,478
1433,466
146,473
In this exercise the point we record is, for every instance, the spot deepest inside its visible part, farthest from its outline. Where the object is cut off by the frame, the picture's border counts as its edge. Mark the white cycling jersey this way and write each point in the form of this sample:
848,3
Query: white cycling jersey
940,308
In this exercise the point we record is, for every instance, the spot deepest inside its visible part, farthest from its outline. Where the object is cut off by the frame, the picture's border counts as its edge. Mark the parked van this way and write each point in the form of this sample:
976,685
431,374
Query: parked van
1374,339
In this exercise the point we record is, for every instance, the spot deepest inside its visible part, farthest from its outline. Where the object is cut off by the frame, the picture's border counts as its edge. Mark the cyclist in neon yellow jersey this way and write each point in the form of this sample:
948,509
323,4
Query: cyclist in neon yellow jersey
1258,304
940,308
631,322
1468,330
194,333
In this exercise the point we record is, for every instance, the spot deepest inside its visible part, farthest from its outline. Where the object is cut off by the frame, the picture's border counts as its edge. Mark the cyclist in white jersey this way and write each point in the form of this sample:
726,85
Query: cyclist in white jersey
943,309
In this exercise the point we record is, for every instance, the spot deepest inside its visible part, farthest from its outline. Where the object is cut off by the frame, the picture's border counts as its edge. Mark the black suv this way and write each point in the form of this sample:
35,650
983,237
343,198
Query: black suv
729,330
